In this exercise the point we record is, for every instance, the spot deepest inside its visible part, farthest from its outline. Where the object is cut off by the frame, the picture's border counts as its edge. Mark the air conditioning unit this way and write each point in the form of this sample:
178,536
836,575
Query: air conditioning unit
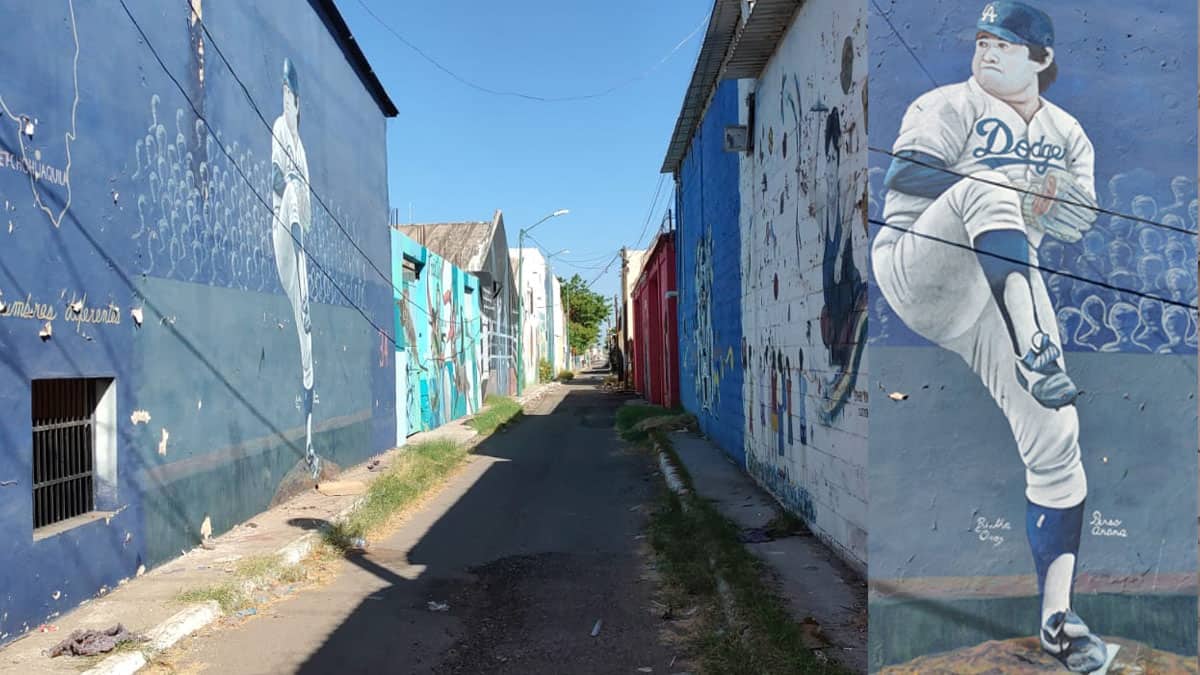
737,138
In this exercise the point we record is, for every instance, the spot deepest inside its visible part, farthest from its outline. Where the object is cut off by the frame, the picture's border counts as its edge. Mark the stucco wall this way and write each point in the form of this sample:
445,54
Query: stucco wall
804,275
135,206
440,331
498,303
950,561
710,288
535,322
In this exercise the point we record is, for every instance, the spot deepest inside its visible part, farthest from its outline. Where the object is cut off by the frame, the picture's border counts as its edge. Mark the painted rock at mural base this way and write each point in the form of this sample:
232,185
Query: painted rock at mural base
1025,655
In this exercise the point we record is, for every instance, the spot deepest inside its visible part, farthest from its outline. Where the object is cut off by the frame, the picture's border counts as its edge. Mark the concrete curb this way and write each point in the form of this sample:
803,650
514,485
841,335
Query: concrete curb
121,664
193,618
161,637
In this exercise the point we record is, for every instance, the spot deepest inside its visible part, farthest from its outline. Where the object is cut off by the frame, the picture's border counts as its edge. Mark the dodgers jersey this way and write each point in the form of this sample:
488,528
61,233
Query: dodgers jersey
287,153
972,131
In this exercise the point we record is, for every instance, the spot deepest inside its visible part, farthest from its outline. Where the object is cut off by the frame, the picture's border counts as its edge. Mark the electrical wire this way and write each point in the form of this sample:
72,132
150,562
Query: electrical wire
1015,188
266,123
1069,275
650,211
249,184
533,97
270,209
920,64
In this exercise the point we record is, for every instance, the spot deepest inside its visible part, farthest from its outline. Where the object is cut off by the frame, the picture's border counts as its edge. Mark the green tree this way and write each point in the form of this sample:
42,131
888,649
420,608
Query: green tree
586,310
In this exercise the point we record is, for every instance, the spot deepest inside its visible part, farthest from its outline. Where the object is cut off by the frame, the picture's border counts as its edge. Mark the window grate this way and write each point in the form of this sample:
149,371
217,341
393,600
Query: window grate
64,416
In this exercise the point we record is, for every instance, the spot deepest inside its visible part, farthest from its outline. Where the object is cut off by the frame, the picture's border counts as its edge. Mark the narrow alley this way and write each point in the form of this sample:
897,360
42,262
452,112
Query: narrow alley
531,544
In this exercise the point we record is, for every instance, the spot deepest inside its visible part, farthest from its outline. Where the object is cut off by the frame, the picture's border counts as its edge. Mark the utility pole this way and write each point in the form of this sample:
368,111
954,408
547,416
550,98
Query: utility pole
521,297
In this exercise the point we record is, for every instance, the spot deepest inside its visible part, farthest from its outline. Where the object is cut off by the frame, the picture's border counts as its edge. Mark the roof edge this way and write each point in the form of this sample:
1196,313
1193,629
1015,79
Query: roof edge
329,12
759,36
722,24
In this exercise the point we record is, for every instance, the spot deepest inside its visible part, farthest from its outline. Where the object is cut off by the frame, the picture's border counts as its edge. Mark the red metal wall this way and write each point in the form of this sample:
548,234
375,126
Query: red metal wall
656,371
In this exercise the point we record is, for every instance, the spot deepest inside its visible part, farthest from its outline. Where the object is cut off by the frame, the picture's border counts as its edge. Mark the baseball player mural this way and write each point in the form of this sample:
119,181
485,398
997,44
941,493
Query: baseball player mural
292,219
983,172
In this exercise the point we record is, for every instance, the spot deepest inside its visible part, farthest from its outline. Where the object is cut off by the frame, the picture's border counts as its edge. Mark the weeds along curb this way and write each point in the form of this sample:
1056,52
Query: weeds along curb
160,638
679,482
199,615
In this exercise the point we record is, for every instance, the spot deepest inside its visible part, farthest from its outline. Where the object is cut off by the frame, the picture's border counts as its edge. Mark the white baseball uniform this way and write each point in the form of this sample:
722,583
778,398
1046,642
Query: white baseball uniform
939,290
292,207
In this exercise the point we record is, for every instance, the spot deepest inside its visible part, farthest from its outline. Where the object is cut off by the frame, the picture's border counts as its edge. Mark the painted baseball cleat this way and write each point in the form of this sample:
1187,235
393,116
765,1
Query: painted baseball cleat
1066,637
1039,371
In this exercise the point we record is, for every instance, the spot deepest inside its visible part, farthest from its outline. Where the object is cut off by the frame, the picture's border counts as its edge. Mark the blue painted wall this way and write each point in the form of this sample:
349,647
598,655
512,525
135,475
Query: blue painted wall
950,564
710,283
134,205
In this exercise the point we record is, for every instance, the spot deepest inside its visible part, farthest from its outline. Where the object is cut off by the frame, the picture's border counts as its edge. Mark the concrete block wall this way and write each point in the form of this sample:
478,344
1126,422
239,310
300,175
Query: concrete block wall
710,289
804,275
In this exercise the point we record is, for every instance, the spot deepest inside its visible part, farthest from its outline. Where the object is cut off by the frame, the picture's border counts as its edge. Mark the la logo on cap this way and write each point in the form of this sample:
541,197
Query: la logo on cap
989,14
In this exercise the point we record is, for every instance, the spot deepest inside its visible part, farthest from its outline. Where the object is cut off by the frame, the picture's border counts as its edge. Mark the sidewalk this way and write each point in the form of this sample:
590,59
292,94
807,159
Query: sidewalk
811,578
147,605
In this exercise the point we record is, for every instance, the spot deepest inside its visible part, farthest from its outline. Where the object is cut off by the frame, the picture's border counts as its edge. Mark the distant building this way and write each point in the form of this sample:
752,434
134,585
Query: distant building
655,338
439,336
481,248
631,269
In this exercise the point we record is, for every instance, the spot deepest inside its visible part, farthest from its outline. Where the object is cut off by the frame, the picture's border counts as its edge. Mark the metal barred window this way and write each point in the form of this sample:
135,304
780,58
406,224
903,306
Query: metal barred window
64,439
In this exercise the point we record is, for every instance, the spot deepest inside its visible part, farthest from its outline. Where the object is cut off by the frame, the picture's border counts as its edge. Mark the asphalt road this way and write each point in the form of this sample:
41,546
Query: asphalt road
529,546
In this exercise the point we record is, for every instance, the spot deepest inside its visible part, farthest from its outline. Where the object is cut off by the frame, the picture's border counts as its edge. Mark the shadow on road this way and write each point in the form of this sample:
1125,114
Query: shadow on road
514,574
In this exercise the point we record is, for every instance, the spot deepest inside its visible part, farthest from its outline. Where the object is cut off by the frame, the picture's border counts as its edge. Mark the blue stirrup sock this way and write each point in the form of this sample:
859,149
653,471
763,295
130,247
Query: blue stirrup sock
1053,533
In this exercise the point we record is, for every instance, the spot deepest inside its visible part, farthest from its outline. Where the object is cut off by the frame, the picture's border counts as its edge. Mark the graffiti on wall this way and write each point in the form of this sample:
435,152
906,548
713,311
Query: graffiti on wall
803,262
844,315
707,369
439,316
993,248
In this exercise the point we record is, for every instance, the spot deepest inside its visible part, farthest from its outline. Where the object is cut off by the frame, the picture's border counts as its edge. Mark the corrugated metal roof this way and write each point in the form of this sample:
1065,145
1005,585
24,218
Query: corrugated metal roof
464,245
759,36
721,27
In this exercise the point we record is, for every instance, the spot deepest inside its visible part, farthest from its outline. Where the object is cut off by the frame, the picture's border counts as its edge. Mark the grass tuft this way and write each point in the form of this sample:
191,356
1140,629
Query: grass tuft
500,411
631,420
418,469
695,546
566,375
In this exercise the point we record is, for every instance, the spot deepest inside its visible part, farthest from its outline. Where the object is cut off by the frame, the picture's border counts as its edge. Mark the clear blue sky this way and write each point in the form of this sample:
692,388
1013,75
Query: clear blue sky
456,153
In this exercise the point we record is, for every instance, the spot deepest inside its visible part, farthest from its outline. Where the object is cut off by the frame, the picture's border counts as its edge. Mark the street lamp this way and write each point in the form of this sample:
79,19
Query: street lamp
521,295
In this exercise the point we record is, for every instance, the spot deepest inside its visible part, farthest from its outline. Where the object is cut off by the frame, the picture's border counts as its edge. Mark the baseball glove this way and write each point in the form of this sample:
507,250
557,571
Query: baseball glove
1059,207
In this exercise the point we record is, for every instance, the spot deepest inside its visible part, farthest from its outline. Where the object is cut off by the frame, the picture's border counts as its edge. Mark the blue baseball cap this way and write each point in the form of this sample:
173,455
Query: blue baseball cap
290,77
1018,23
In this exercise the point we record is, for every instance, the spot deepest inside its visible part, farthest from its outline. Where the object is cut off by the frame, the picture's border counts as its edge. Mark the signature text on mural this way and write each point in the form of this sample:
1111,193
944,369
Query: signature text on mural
989,530
1106,527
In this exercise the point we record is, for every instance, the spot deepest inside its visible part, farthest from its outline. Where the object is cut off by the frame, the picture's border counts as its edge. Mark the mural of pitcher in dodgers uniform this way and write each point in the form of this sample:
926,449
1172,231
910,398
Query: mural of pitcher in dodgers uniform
954,264
292,219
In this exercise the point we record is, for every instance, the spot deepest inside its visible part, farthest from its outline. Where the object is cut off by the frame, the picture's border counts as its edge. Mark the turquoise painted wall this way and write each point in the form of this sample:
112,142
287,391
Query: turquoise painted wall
438,327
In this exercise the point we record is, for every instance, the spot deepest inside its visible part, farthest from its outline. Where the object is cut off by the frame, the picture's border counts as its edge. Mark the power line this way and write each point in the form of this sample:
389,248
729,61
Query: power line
258,111
532,97
904,42
920,64
241,173
1069,275
650,211
268,207
1010,186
